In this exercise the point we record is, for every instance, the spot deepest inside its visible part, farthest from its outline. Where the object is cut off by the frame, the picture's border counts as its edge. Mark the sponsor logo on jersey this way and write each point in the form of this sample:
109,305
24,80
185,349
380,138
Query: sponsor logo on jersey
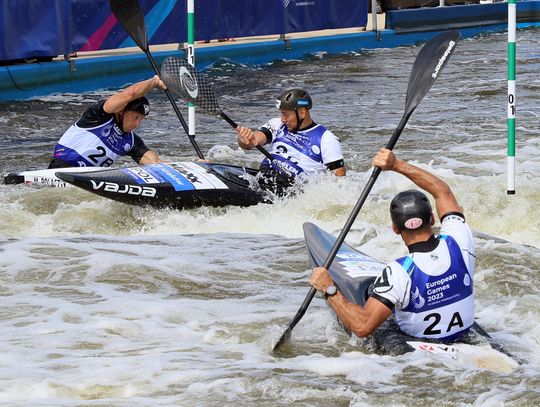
417,299
116,129
382,283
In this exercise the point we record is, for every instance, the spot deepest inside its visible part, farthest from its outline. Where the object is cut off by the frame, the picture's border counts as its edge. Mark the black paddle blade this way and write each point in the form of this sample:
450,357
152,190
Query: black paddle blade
284,337
190,85
129,15
303,308
428,64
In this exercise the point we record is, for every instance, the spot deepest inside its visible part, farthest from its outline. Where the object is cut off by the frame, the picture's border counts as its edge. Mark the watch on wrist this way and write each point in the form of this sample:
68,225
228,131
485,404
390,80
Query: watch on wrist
330,291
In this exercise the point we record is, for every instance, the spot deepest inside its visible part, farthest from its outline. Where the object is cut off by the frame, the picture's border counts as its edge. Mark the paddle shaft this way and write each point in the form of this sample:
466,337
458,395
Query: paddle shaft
258,147
174,106
346,228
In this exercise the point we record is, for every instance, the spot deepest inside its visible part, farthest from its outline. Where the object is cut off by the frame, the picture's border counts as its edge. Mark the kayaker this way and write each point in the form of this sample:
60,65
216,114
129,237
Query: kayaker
302,146
105,131
431,289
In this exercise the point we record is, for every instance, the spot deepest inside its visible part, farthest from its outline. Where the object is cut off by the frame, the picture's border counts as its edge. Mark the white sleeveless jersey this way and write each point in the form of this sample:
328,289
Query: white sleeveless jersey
433,291
304,152
97,146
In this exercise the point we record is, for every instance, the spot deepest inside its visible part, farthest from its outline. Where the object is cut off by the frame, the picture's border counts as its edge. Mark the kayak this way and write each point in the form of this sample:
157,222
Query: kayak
176,185
354,272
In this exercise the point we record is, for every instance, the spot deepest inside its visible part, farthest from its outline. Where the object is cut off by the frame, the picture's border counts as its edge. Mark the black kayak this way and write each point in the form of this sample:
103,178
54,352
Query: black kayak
176,185
354,272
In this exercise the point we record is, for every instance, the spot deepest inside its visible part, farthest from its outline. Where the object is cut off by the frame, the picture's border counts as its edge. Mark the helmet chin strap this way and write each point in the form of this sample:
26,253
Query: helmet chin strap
298,122
121,115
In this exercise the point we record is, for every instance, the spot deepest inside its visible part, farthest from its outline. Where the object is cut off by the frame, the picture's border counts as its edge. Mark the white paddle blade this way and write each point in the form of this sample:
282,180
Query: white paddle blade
479,356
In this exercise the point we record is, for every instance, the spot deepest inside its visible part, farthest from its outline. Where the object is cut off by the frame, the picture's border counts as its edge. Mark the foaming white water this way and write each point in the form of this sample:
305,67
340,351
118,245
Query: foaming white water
327,201
173,320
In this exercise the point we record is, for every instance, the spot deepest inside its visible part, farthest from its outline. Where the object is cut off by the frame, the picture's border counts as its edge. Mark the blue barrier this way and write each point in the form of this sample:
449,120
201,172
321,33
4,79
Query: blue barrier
48,28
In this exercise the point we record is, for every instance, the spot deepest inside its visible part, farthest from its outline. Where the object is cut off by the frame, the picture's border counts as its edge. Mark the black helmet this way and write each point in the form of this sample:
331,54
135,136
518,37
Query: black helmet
292,99
140,105
410,210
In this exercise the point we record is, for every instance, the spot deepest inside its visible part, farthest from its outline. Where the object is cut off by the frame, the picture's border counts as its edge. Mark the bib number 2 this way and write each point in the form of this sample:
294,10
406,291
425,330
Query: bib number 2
95,158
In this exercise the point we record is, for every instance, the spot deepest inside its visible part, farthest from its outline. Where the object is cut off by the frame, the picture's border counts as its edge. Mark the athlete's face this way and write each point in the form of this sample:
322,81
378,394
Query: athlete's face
288,117
131,120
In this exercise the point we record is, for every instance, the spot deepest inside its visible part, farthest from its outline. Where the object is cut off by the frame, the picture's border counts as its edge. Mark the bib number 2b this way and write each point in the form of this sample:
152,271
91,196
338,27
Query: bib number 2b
95,158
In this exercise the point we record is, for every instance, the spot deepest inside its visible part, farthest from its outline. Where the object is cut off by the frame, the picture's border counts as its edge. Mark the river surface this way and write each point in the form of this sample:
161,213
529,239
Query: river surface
105,304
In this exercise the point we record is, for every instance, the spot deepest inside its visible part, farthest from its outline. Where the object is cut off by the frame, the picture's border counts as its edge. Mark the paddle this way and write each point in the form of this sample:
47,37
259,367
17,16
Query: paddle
430,60
129,15
192,86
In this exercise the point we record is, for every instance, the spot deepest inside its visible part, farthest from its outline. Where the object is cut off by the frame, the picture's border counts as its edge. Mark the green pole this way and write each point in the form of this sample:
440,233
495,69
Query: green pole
511,97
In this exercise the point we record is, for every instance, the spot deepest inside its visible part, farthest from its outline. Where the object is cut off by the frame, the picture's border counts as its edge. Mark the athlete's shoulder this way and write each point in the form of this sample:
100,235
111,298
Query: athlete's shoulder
454,225
392,271
271,125
390,287
329,137
94,115
96,108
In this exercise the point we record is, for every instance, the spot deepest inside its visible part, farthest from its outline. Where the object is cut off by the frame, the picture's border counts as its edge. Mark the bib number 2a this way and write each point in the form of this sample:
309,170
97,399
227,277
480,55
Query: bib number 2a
95,158
435,318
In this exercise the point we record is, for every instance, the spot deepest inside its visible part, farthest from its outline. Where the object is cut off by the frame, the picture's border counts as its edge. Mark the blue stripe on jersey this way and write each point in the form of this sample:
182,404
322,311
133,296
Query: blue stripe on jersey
408,265
70,156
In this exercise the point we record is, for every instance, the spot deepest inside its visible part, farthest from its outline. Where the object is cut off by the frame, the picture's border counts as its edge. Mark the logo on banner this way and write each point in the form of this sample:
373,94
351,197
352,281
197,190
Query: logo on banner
189,83
298,3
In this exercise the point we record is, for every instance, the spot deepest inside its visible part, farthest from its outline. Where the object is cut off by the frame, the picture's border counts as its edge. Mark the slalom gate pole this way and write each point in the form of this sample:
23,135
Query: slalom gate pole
191,58
511,98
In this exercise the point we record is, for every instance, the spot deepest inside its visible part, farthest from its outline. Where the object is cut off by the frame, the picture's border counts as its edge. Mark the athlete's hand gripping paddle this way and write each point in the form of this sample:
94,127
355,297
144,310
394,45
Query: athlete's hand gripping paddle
129,15
428,64
192,86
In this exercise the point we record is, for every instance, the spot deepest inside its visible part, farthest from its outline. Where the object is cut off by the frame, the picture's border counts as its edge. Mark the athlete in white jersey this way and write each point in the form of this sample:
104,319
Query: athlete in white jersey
431,289
105,131
299,144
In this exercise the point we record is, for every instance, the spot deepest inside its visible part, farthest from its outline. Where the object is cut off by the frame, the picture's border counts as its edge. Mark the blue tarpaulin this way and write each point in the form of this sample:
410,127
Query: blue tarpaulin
47,28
